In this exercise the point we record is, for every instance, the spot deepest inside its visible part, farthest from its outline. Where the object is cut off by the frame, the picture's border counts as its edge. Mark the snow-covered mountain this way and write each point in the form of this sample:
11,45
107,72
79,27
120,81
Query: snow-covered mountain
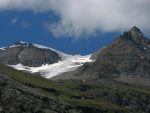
49,69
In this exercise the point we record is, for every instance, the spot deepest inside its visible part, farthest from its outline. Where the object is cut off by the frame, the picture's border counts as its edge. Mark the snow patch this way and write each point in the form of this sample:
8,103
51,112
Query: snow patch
22,42
3,48
67,63
145,48
50,70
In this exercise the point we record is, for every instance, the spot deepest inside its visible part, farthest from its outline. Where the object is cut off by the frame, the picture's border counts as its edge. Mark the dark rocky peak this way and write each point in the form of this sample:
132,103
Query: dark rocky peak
128,55
133,33
136,36
126,59
135,29
136,33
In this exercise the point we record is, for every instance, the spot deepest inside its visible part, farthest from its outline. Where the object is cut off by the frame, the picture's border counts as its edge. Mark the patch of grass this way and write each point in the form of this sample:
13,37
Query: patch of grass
26,78
99,104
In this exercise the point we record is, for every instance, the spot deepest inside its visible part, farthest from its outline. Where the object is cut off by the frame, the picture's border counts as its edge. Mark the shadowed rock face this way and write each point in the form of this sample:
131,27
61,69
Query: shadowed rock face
28,55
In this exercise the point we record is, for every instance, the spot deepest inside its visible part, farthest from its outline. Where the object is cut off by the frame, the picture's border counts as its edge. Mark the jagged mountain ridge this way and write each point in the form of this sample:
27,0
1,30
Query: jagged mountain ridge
128,54
126,59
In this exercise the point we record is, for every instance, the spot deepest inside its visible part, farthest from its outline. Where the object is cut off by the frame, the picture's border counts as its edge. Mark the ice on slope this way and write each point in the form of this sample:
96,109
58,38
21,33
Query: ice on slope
48,71
2,48
67,63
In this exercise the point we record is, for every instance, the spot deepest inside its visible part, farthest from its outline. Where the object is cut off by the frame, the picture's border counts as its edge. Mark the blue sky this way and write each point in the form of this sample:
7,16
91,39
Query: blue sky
70,26
30,27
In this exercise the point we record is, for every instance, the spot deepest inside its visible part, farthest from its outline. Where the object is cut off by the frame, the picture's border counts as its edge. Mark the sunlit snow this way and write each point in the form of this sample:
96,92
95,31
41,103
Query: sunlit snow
48,71
67,63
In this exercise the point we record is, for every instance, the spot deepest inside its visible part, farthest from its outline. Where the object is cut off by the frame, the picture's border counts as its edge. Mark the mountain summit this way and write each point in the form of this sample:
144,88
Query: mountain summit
128,56
126,59
135,29
136,36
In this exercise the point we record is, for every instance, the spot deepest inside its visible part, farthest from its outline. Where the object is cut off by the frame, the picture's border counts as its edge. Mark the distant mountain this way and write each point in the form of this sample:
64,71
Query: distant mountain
28,54
126,59
36,58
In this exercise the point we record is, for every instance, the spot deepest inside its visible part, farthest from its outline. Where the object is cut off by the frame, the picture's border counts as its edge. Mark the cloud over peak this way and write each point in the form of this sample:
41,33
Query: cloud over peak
86,17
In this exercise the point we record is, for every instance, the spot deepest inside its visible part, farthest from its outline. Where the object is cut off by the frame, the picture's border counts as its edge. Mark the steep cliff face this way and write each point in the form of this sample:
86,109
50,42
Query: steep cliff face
28,54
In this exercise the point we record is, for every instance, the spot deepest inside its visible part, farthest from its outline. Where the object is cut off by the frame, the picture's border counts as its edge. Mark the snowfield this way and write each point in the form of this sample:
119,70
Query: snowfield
48,71
68,63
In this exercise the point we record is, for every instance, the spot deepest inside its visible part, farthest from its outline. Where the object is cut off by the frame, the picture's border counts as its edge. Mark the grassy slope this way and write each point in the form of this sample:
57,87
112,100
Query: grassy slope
105,96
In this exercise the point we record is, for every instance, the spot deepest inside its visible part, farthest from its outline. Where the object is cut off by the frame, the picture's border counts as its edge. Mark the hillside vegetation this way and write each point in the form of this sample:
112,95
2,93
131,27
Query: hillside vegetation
104,96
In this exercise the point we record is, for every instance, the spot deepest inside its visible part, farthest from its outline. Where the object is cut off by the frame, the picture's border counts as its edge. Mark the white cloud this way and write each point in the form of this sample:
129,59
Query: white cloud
85,17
